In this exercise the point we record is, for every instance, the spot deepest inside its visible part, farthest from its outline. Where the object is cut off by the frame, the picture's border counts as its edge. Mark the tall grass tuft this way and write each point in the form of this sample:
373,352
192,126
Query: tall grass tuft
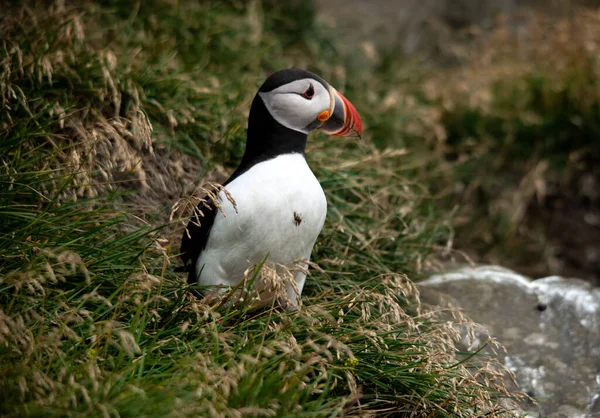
106,111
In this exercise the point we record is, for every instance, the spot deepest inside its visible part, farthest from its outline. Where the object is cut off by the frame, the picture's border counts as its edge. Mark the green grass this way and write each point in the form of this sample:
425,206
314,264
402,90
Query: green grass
110,114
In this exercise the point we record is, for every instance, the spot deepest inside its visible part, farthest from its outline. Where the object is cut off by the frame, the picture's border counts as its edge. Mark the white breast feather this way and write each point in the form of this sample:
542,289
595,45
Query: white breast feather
267,197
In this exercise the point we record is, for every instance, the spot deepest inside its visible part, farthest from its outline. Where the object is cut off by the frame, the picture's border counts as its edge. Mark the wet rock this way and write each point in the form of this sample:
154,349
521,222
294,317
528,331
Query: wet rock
550,328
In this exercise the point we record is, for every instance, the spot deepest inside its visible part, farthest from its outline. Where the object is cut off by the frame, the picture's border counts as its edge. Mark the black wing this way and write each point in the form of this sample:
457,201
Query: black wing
198,229
196,235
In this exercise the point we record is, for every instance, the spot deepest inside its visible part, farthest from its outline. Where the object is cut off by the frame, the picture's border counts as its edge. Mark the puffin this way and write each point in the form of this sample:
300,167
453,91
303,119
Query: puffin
273,207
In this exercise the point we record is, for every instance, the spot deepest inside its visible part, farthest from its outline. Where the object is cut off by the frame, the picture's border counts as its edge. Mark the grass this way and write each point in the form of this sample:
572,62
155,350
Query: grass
110,115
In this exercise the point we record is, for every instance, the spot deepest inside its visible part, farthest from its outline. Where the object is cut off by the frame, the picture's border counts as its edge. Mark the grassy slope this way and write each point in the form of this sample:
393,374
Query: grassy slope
106,112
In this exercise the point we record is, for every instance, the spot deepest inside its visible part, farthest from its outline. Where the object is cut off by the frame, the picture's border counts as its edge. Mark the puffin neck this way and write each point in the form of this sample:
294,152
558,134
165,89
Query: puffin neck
267,139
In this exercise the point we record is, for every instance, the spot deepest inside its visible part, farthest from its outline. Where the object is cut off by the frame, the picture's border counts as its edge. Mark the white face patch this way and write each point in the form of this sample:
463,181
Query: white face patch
287,105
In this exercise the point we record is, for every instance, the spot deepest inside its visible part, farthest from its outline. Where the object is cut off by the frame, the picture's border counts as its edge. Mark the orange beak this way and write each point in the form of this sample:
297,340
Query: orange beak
343,118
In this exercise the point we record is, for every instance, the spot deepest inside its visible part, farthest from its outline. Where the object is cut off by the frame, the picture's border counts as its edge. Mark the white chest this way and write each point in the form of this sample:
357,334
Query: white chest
281,209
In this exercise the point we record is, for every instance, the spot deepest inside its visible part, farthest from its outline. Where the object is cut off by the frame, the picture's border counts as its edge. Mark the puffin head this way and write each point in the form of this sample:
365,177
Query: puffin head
302,101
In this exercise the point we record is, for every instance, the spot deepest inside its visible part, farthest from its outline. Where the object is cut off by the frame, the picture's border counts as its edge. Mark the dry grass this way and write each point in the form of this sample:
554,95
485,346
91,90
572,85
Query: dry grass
101,138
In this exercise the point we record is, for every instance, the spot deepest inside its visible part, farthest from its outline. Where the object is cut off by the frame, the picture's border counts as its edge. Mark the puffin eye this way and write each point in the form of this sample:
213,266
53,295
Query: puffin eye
309,93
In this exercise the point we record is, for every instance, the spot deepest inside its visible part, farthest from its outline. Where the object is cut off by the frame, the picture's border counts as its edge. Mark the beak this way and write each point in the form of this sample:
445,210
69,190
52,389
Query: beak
343,118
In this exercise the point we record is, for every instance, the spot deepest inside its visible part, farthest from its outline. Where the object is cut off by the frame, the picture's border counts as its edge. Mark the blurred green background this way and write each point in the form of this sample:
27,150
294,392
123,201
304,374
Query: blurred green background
501,99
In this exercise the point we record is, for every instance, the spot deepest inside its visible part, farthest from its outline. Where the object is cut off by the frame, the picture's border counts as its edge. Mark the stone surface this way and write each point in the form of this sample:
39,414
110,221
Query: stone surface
550,328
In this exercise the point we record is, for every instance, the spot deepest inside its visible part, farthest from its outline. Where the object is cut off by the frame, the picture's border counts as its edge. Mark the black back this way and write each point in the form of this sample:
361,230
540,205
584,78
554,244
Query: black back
266,139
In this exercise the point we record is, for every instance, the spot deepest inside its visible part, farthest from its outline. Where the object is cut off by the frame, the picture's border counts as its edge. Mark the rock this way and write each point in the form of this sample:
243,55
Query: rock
550,328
